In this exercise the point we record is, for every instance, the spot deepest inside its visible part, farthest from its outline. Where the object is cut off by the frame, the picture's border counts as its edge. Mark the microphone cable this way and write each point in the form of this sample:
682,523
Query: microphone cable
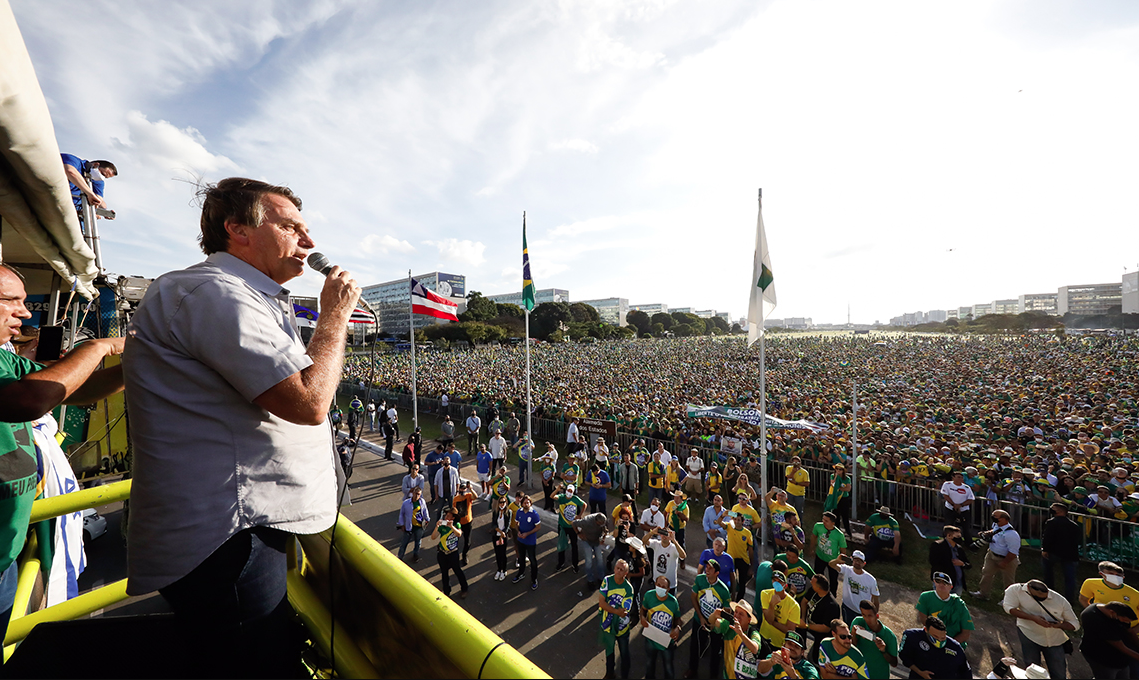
340,500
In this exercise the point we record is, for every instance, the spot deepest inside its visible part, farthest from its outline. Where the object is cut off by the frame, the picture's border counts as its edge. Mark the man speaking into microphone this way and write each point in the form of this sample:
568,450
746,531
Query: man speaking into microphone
227,409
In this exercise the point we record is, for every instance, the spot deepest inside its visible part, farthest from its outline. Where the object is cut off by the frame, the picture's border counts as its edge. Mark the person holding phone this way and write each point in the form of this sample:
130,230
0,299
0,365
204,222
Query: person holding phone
448,533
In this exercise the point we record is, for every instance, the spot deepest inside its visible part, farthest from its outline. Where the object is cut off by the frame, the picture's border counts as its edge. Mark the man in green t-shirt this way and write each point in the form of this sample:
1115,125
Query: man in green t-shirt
790,656
950,608
29,391
615,602
828,543
883,534
660,619
878,644
741,643
708,595
799,573
569,508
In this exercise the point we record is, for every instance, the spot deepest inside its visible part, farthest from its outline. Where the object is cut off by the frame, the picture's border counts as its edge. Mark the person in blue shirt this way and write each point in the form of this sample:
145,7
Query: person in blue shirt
598,481
455,456
434,461
718,554
75,168
482,466
529,524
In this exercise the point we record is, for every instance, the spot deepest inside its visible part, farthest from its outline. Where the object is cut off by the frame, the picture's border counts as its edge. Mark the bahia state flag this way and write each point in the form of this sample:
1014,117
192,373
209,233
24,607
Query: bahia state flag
527,280
761,300
305,317
427,303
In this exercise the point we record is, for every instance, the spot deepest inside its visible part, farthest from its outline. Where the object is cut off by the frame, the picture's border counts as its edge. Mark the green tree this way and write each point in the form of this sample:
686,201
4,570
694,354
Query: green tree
623,332
736,328
721,324
584,313
657,329
639,320
663,319
682,330
509,310
546,317
478,308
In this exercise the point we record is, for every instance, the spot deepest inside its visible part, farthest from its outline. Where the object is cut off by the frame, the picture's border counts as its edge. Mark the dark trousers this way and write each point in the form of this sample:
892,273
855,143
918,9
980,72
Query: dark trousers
388,445
416,534
822,567
548,493
449,562
1069,569
472,442
570,537
529,552
1054,657
597,506
653,653
621,645
963,520
705,643
744,570
1100,671
466,529
235,604
842,510
500,554
875,546
8,594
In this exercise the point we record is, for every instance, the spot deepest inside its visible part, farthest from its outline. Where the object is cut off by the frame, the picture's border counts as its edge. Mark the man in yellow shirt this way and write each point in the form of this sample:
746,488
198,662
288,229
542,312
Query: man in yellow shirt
1110,588
740,543
747,513
798,479
780,613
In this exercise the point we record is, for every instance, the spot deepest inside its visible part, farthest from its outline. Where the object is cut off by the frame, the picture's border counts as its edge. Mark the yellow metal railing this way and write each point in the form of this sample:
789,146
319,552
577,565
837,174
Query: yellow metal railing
472,647
469,645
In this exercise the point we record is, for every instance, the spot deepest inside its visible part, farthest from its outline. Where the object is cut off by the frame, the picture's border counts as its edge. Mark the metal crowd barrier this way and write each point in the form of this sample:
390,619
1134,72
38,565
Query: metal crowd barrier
1103,537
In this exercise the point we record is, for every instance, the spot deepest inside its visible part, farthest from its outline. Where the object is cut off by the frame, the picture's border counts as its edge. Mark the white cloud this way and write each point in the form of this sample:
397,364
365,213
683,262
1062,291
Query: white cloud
580,145
376,244
460,252
162,147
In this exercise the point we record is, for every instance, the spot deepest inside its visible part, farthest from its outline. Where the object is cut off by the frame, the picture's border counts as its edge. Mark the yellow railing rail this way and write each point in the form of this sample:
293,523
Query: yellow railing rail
46,508
74,608
471,646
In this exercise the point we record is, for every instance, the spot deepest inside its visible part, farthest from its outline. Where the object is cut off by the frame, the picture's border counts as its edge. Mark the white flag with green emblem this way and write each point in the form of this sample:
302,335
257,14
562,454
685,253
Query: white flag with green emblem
762,297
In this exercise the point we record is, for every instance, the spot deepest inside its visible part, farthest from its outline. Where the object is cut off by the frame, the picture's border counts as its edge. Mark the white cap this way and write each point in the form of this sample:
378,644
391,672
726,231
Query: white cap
859,555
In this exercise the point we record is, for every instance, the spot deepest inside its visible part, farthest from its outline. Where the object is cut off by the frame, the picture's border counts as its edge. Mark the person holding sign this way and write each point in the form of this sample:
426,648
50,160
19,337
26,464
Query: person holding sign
709,594
615,600
448,536
660,624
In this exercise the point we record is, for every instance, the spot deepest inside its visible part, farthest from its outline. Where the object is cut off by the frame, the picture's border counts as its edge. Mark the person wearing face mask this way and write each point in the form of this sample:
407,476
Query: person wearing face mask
1003,556
652,517
780,613
1111,588
1042,617
660,621
615,602
788,661
1060,545
930,653
78,171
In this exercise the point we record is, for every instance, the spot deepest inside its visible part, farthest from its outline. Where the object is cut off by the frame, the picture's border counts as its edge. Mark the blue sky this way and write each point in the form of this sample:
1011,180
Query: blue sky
912,155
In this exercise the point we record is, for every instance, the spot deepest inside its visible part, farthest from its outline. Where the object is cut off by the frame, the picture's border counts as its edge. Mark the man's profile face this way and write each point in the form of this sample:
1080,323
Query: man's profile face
280,245
12,309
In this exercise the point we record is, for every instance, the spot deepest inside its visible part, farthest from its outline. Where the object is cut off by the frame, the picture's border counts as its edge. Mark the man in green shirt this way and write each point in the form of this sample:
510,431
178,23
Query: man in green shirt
828,543
708,595
660,612
799,573
615,601
569,508
29,391
883,534
878,644
950,608
787,660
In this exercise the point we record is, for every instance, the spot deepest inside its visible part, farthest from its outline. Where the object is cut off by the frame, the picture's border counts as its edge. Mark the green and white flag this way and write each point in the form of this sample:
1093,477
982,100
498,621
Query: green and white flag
762,296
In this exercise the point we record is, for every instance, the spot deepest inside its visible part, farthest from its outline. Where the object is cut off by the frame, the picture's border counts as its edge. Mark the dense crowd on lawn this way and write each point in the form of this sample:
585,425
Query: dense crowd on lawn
1034,419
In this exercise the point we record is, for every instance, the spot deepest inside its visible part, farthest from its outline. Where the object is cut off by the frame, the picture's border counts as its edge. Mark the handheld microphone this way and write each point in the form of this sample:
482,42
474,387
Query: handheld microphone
320,263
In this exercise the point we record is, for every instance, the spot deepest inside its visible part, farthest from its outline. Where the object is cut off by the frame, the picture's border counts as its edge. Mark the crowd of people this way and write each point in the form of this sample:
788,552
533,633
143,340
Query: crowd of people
969,419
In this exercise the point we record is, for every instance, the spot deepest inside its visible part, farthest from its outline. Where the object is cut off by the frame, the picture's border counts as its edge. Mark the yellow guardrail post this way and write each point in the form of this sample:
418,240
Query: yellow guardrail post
471,646
350,661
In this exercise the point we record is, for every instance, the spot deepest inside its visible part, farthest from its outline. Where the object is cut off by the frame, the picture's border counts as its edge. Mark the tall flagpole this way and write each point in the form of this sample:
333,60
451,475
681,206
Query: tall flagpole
762,404
411,335
529,410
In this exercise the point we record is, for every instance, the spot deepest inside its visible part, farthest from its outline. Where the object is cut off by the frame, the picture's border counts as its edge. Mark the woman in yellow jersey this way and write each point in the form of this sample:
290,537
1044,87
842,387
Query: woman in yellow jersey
715,481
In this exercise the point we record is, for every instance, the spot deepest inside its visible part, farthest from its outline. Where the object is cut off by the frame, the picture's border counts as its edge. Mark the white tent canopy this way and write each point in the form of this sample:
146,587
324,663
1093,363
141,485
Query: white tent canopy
39,232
